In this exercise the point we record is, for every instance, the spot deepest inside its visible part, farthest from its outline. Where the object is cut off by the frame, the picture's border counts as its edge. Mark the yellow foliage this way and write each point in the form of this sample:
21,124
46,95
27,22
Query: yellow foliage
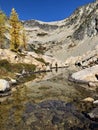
2,27
15,30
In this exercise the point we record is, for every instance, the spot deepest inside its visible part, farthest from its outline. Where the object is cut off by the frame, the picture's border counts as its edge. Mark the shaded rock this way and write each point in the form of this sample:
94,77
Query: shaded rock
5,94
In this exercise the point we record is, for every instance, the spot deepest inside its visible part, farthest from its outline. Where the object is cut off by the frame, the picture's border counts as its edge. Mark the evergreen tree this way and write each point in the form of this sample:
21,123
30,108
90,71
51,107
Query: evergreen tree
15,31
2,27
24,39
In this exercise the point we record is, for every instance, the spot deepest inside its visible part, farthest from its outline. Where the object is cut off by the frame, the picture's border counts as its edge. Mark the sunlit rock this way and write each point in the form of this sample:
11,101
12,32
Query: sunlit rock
91,84
95,102
88,99
4,85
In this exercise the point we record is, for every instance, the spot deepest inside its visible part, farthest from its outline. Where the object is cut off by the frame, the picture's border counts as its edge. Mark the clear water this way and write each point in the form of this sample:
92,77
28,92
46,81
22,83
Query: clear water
48,86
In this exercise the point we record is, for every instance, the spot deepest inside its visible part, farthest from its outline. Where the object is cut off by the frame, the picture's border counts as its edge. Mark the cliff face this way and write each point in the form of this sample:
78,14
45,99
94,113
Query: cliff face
88,21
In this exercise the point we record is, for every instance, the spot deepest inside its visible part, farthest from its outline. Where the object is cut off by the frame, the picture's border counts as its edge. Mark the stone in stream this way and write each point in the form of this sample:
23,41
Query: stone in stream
88,99
4,85
95,102
91,84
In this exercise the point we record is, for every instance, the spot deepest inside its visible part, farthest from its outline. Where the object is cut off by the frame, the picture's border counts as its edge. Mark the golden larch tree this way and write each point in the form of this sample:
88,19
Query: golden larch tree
23,38
15,31
2,28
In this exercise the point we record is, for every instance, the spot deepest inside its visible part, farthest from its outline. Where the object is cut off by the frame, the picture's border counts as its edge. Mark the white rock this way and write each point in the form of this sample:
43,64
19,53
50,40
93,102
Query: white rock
87,74
13,81
91,84
88,99
95,102
4,85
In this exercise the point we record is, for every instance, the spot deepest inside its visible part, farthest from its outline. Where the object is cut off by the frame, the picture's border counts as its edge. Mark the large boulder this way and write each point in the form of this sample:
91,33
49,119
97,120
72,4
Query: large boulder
87,75
4,85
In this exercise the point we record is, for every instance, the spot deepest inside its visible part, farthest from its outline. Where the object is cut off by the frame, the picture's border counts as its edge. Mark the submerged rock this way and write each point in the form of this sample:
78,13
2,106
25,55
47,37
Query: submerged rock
54,115
48,115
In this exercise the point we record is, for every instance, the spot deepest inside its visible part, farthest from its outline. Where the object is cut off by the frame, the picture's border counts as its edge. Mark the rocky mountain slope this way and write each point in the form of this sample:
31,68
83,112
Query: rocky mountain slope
62,40
73,36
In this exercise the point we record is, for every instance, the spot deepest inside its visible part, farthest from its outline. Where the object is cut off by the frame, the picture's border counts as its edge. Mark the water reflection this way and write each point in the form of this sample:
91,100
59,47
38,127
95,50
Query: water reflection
56,88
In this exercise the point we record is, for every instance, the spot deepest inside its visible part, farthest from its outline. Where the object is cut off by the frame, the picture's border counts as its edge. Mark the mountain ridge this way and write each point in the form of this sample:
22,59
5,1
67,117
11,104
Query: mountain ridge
67,36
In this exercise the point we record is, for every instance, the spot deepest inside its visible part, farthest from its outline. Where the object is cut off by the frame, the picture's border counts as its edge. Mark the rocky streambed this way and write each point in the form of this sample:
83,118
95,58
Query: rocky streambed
52,103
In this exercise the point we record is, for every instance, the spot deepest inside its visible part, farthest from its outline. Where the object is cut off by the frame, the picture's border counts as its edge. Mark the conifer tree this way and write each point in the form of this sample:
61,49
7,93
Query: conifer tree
24,38
15,31
2,28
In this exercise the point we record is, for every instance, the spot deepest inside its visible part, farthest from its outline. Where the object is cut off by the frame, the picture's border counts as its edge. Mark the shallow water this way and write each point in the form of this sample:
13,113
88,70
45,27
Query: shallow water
57,88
